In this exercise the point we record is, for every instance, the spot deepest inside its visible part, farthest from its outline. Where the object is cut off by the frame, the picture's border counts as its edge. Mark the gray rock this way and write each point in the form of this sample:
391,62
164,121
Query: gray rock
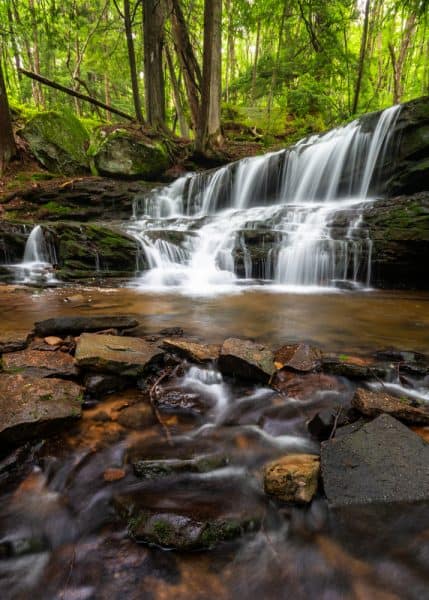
382,462
243,358
77,325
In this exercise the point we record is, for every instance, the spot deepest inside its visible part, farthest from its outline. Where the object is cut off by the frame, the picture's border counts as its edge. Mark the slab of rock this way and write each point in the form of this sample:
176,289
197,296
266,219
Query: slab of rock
193,351
13,342
355,367
243,358
298,357
76,325
382,462
307,386
373,404
125,356
40,363
292,478
30,406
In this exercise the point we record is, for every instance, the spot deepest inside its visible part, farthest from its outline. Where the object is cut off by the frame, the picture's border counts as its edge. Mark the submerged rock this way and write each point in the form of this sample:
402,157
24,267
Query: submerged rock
243,358
308,386
41,363
97,385
382,462
120,355
373,404
30,406
78,325
137,416
292,478
193,351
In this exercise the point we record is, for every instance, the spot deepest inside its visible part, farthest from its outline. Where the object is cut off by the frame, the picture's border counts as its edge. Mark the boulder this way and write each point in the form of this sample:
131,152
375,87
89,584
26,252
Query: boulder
372,404
243,358
355,367
192,351
78,325
31,406
382,462
120,355
59,141
292,478
41,363
297,357
124,153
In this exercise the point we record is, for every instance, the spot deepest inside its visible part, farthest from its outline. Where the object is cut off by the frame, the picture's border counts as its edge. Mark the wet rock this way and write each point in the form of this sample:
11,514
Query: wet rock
373,404
243,358
78,325
138,416
120,355
382,462
326,421
197,512
40,363
354,367
30,406
298,357
97,385
178,400
172,331
111,475
309,386
13,342
125,153
292,478
52,340
192,351
184,457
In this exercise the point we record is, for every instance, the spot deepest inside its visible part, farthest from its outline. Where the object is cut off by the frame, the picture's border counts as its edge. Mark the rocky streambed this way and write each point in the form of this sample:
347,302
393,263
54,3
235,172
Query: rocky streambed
274,471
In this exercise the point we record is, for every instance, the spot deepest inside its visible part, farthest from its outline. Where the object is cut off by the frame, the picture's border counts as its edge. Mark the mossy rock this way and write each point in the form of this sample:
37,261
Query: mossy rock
124,154
59,142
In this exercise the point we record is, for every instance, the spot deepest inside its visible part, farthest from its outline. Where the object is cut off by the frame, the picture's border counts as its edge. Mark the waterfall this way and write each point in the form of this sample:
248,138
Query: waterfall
39,259
269,217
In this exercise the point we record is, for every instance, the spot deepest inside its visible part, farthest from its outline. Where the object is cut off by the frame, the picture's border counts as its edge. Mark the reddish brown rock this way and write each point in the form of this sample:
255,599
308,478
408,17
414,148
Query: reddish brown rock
298,357
373,404
302,387
111,475
40,363
193,351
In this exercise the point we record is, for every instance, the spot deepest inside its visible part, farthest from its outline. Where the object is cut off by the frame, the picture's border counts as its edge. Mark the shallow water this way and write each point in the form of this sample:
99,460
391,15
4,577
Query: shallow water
60,537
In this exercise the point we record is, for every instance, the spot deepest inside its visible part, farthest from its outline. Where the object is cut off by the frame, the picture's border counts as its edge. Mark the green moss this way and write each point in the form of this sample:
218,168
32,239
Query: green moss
54,207
164,532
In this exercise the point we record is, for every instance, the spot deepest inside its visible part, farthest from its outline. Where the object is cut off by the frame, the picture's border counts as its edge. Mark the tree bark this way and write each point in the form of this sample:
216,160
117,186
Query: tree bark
209,135
398,62
183,125
276,66
362,55
255,62
132,61
7,140
153,31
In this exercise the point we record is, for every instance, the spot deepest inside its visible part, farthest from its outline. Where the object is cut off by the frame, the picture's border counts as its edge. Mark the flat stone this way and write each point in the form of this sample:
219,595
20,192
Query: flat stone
31,406
125,356
193,351
75,325
382,462
292,478
373,404
298,357
244,358
307,386
53,340
40,363
355,367
13,341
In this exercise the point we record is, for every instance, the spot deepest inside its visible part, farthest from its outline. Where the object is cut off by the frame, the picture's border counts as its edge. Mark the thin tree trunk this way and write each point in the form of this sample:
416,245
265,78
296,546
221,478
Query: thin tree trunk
362,55
153,31
7,140
255,62
132,61
276,66
188,62
209,133
398,62
16,56
183,125
40,98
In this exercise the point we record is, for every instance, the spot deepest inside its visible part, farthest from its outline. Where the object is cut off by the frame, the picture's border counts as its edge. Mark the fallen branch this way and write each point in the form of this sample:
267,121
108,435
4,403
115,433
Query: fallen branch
153,393
70,92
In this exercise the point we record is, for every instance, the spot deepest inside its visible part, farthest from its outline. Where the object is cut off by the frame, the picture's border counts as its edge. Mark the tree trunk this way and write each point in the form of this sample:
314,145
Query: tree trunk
39,96
183,125
7,141
209,135
132,61
276,67
362,55
255,62
188,62
398,62
153,30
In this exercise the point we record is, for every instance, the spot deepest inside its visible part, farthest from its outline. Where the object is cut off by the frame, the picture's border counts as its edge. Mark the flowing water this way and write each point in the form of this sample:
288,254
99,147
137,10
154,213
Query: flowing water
199,234
39,260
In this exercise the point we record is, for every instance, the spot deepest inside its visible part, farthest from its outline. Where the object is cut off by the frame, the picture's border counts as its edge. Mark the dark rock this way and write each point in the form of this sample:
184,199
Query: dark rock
30,407
78,325
120,355
172,331
100,385
372,404
13,342
138,416
243,358
326,421
355,367
40,363
308,386
297,357
383,462
193,351
179,401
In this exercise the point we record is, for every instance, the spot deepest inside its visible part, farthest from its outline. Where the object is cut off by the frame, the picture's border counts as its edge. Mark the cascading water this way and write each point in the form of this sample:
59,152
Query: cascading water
37,265
269,217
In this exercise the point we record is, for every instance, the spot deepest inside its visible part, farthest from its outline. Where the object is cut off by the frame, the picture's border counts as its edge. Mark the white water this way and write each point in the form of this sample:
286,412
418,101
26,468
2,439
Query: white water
38,261
198,234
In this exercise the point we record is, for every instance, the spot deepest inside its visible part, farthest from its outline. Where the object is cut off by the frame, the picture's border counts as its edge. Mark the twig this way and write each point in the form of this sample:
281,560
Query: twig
334,426
153,392
72,562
